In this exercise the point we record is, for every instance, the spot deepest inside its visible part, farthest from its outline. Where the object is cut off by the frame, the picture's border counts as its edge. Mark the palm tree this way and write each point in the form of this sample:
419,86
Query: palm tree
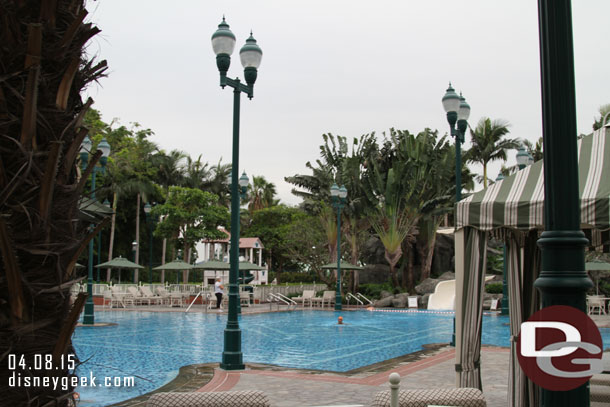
488,143
171,173
261,193
170,168
604,113
218,183
393,226
197,173
44,69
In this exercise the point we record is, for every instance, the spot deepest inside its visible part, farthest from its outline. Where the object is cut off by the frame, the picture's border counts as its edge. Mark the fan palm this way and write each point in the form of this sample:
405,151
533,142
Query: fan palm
489,144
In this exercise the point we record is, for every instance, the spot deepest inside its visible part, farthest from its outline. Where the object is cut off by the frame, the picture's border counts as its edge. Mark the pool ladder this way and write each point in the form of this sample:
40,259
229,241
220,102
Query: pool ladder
359,298
280,299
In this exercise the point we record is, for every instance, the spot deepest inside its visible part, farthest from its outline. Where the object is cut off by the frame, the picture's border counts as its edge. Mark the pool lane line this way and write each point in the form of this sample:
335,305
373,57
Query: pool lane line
402,311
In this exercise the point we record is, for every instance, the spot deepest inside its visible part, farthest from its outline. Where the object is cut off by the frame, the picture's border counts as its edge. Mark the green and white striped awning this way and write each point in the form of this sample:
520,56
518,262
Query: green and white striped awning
518,200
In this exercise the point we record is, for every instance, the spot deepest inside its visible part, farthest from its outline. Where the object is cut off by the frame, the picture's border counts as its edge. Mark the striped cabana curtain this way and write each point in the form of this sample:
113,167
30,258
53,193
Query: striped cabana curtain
470,309
523,267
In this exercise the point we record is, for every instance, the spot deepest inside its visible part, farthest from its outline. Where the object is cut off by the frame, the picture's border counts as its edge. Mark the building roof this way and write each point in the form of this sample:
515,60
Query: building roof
244,242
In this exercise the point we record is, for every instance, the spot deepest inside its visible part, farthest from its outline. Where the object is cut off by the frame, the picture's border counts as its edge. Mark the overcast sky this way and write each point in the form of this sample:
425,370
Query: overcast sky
347,67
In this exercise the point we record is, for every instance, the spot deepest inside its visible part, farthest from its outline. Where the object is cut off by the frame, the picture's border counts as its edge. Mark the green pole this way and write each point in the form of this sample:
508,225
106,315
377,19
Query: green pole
88,317
452,119
338,306
562,280
232,358
150,250
99,255
504,302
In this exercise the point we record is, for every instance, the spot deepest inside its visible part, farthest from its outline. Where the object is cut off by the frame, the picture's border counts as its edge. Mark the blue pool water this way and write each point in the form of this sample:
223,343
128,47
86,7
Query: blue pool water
153,346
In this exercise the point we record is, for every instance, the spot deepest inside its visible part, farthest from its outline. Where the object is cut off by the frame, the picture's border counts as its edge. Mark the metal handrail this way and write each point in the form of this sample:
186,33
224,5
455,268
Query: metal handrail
348,296
200,293
359,295
289,301
280,298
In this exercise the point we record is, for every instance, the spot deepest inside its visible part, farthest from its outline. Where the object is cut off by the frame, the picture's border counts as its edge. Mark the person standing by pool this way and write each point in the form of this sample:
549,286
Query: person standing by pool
218,290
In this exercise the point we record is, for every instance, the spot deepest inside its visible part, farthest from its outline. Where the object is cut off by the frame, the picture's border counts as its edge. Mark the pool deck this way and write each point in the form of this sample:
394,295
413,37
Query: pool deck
285,387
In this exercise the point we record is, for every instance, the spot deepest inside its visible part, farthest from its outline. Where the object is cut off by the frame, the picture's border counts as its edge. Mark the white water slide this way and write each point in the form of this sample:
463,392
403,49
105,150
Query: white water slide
443,297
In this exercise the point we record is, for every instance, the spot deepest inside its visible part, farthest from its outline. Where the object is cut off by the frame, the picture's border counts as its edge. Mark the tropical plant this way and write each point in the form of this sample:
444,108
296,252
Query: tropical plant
260,193
188,216
197,173
393,225
306,245
489,144
604,113
218,183
272,226
44,70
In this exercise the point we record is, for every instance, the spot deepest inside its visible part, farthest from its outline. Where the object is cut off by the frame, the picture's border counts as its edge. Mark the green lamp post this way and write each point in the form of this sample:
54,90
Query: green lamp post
563,279
504,304
523,158
149,221
88,317
106,203
223,43
244,181
338,198
458,111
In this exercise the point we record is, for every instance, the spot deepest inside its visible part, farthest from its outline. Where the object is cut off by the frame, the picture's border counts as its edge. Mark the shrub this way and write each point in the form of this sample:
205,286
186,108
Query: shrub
373,291
493,288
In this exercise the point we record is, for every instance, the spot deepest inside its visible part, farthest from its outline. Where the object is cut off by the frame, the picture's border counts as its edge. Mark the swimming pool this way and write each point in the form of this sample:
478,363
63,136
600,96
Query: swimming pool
153,346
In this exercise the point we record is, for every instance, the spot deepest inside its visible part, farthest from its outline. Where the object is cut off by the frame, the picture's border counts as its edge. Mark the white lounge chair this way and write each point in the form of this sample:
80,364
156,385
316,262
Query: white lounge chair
327,297
595,302
148,294
307,296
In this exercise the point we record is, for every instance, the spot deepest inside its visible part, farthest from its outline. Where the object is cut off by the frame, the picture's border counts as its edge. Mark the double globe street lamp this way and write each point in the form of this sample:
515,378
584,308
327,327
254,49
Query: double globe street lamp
223,44
85,149
338,199
458,111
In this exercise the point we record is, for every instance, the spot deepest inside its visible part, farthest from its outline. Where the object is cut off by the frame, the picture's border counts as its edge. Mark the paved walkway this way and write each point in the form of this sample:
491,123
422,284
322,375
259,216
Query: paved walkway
292,388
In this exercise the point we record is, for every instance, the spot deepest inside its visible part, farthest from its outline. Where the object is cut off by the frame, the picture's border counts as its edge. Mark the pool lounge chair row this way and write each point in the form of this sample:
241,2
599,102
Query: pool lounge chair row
309,298
143,296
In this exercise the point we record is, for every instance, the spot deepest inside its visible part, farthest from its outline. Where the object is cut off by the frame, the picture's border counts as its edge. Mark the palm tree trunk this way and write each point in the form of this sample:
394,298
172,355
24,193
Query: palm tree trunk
392,259
484,175
164,248
112,228
135,274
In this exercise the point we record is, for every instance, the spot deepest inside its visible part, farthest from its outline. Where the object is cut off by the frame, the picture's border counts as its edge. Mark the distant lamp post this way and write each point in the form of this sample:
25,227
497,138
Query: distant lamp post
338,197
85,149
244,181
523,158
223,43
149,221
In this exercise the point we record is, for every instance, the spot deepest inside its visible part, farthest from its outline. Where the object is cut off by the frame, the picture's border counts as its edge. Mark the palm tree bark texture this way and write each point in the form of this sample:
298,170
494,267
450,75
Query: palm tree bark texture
41,114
